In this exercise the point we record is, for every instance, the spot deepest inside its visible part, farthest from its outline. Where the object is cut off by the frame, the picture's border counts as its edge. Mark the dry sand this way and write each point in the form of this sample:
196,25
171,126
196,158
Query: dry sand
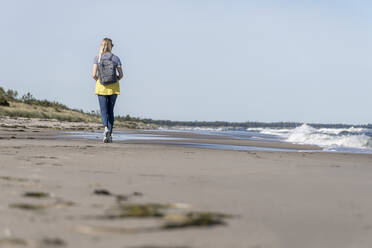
277,199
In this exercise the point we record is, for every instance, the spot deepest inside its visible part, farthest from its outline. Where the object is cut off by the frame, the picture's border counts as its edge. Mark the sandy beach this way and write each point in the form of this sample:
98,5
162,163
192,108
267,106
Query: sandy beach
59,192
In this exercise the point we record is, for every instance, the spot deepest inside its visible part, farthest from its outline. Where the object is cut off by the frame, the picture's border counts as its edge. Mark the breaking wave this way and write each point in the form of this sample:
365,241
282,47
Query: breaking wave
360,138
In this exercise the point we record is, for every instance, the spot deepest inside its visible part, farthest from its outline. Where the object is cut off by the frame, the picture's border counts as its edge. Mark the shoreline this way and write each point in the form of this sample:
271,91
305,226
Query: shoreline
29,127
33,128
191,138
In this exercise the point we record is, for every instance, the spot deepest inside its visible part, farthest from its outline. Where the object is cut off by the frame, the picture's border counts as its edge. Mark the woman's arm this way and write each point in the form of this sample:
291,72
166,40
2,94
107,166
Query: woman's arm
120,72
95,69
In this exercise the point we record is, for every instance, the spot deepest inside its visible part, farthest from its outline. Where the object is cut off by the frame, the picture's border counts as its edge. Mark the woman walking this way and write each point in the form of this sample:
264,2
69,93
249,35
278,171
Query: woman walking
105,68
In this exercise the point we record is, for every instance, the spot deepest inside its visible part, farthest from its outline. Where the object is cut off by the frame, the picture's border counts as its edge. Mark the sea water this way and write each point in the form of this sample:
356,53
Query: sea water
169,140
349,140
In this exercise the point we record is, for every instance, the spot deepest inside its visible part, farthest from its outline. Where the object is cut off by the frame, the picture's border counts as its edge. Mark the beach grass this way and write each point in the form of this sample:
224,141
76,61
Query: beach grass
20,109
28,106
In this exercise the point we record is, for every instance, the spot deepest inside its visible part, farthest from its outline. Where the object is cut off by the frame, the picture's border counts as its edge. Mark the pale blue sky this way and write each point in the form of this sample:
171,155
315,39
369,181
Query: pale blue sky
306,61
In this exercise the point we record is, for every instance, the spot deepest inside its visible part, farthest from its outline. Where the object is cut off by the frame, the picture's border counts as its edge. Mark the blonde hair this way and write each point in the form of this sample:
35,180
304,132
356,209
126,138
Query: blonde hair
106,46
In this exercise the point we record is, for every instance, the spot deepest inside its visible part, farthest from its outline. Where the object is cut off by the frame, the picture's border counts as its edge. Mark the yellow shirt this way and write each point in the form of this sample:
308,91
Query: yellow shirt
109,89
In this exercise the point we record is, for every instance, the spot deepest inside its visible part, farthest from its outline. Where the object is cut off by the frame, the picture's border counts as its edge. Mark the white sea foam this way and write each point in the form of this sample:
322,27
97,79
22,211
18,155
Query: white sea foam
324,137
331,139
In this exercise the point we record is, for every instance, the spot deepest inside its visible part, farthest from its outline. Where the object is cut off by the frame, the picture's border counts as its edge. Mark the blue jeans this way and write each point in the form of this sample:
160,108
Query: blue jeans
106,104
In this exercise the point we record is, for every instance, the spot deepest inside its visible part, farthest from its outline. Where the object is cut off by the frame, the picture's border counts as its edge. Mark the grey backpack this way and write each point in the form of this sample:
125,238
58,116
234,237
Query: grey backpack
107,71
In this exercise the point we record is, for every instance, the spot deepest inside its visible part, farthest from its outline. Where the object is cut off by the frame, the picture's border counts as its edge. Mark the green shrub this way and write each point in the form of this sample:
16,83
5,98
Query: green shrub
3,101
2,91
31,100
12,94
28,98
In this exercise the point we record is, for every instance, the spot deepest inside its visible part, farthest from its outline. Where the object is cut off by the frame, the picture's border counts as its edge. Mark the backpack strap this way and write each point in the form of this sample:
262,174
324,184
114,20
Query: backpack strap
110,58
112,55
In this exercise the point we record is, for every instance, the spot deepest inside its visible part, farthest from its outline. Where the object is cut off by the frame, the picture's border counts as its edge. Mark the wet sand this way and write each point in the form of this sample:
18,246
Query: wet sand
273,199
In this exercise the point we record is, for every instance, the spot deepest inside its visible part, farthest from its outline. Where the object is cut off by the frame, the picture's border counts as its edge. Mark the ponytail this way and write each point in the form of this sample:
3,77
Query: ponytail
106,46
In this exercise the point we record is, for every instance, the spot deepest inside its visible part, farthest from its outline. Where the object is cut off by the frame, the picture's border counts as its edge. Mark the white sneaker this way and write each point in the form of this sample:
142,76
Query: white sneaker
107,136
